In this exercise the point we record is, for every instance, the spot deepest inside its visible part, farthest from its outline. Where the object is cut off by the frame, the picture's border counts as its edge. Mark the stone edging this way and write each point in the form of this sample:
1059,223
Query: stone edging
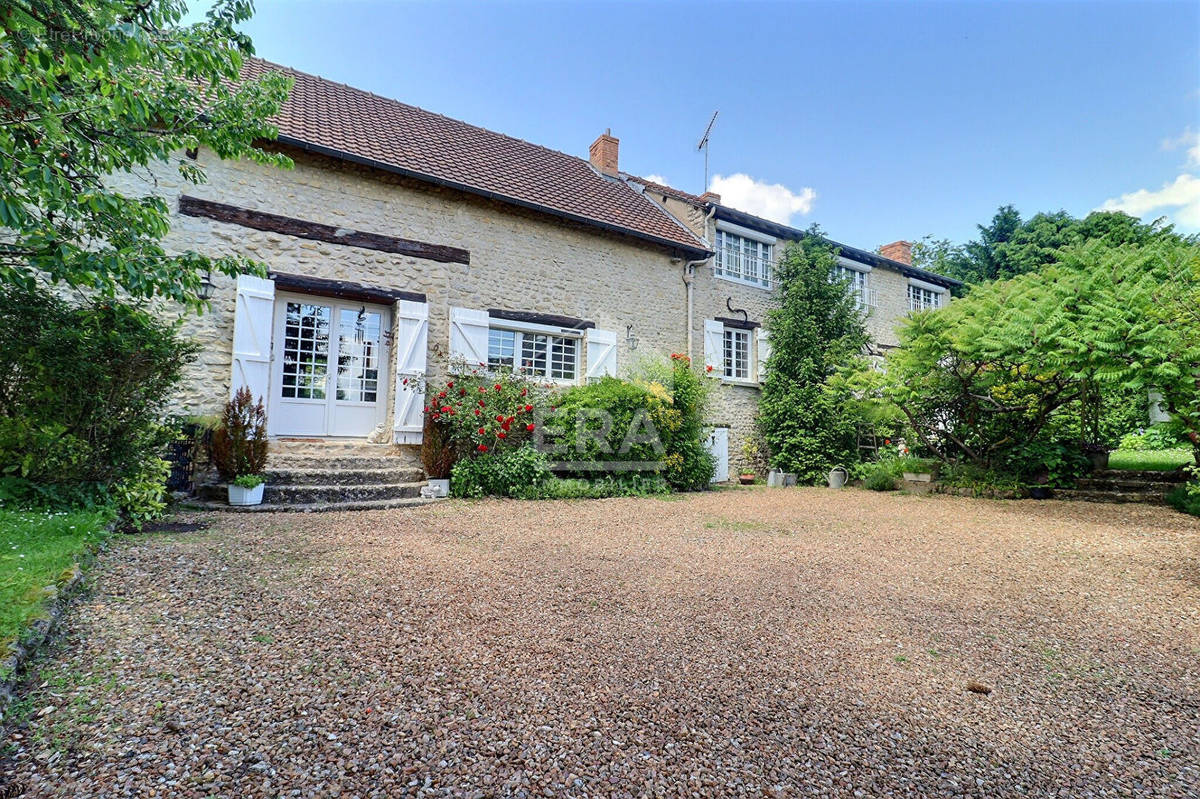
40,631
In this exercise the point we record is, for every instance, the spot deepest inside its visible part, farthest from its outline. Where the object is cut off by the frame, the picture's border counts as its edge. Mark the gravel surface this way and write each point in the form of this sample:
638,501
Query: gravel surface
741,642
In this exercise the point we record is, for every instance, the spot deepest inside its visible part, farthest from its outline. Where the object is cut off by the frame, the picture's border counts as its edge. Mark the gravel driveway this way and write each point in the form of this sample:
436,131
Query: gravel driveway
741,642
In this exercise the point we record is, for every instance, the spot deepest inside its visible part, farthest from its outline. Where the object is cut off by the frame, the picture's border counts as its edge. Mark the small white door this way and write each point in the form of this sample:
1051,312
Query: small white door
329,368
718,445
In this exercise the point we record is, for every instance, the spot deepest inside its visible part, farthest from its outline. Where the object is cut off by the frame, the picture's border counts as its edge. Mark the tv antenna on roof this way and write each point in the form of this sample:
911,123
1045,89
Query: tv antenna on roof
703,145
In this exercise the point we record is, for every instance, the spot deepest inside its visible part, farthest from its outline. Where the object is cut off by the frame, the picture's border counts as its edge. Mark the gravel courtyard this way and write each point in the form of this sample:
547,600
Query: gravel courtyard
740,642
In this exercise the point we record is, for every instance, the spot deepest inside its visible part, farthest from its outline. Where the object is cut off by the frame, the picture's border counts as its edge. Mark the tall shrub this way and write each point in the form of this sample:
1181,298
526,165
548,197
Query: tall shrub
83,390
816,330
239,444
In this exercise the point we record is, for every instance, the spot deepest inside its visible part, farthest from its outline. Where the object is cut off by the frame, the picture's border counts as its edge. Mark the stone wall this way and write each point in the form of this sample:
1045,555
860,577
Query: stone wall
519,260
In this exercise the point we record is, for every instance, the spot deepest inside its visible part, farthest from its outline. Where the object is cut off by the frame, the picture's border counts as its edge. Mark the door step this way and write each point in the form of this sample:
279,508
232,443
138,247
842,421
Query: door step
339,480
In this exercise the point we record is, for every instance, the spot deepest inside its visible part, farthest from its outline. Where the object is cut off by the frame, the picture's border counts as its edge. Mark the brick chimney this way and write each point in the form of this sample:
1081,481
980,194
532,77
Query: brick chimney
898,251
603,153
710,197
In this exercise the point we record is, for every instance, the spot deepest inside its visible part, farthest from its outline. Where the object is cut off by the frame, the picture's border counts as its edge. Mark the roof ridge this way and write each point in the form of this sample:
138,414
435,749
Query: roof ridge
385,98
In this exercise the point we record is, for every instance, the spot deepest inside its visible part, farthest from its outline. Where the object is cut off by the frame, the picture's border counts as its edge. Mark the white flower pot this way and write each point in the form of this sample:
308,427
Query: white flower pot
440,486
245,496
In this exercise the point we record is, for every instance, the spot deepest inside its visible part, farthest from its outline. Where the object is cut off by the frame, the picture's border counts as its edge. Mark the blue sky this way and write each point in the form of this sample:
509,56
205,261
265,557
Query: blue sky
878,121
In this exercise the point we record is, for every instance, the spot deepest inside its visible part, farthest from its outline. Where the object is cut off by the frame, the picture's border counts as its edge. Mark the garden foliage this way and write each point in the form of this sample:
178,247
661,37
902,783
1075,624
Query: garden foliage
238,446
83,389
805,415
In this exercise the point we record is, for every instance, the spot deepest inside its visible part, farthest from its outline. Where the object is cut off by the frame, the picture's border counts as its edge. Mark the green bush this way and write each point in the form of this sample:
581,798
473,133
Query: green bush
483,412
82,395
880,478
608,420
979,480
688,465
1185,498
1165,435
238,446
509,473
141,497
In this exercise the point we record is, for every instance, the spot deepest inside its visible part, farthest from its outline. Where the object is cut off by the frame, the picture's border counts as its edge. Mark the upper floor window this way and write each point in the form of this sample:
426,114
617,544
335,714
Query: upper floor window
743,259
536,354
860,284
921,299
737,354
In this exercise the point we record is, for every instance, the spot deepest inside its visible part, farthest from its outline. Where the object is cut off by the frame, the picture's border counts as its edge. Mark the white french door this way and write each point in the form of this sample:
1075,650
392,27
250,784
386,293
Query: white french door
328,367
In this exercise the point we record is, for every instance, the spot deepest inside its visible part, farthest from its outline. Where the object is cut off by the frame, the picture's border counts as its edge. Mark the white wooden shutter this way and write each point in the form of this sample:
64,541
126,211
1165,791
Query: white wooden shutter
601,353
469,335
714,347
253,319
763,342
412,344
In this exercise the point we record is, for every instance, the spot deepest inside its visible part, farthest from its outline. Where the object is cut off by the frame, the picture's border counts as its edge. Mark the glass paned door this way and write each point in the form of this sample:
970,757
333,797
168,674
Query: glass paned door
329,368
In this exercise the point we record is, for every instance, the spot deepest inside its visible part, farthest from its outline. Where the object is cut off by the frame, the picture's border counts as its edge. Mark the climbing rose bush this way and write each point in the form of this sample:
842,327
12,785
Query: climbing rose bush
482,413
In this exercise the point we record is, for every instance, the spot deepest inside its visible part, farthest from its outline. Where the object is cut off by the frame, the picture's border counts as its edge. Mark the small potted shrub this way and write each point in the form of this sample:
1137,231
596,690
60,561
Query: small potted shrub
238,448
437,455
751,452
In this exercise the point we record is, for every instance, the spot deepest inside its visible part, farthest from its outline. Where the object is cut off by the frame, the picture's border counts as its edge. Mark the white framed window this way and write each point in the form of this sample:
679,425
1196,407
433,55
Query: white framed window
736,354
860,284
921,298
536,353
743,258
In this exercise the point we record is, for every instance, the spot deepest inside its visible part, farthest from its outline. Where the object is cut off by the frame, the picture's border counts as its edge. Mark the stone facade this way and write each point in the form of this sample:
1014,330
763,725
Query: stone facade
519,260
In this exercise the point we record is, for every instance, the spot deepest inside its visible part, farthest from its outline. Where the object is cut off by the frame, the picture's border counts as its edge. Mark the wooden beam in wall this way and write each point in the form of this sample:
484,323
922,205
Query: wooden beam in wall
300,228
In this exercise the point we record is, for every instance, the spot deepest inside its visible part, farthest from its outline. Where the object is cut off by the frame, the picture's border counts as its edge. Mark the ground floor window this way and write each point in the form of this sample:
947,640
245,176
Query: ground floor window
543,355
737,354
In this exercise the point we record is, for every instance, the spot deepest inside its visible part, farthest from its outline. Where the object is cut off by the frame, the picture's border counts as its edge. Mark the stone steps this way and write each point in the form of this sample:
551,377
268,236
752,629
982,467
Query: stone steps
1096,495
1113,485
317,475
344,476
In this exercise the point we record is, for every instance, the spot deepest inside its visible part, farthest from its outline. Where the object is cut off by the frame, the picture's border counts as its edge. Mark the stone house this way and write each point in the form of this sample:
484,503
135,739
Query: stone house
731,293
403,238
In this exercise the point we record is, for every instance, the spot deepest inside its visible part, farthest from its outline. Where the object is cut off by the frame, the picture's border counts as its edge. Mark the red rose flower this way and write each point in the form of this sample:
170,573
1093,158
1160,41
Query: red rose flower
708,368
887,441
502,434
476,411
462,392
482,389
482,447
524,391
482,404
482,431
499,417
441,395
511,419
445,409
528,408
529,427
450,384
499,387
426,409
506,424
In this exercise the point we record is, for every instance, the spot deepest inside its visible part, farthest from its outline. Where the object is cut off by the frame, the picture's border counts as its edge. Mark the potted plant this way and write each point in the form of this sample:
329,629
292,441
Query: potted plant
238,448
246,489
1098,453
437,455
751,453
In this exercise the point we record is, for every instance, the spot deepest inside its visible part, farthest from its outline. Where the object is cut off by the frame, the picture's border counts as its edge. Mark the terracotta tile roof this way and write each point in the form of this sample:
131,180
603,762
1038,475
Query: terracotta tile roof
343,121
669,191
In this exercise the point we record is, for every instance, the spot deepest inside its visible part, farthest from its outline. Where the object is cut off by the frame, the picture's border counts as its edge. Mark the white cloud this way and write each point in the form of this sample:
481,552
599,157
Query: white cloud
773,201
1180,200
659,179
1189,141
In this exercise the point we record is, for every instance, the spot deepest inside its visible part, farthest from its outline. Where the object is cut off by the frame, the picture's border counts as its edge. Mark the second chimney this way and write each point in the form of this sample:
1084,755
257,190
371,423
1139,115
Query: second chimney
898,251
603,153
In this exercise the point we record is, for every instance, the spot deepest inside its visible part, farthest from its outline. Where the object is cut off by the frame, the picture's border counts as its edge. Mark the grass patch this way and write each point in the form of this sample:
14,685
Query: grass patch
1156,460
37,550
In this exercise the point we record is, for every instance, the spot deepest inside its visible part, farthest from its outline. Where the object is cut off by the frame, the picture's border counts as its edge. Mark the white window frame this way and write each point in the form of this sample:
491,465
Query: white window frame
728,367
521,329
924,296
860,282
733,244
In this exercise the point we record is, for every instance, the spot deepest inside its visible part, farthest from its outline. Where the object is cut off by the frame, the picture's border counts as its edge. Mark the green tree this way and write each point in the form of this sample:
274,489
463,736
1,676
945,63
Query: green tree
816,330
1011,365
1009,245
91,88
